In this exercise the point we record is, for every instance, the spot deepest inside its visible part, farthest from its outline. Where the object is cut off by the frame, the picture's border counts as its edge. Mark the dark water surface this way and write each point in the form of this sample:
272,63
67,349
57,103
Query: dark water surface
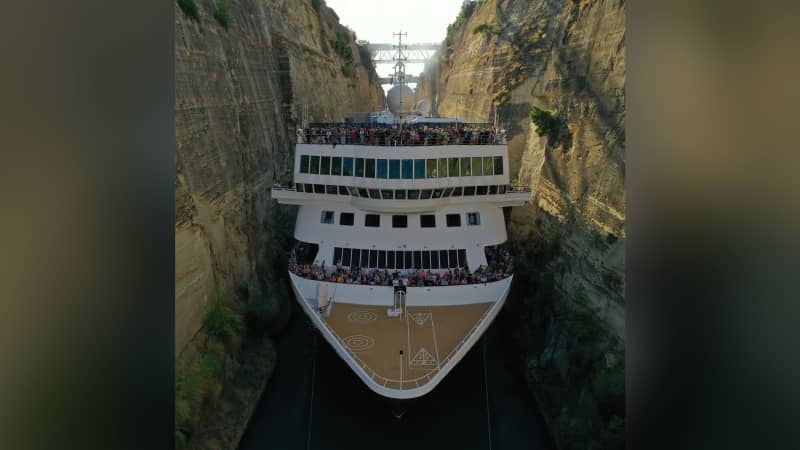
314,401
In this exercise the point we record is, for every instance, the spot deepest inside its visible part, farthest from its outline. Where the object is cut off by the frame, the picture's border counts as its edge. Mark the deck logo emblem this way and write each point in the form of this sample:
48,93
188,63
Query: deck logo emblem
420,317
423,358
361,316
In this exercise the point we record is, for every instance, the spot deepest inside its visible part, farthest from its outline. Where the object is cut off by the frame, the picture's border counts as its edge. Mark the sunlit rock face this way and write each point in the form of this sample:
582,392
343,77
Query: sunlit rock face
240,93
567,57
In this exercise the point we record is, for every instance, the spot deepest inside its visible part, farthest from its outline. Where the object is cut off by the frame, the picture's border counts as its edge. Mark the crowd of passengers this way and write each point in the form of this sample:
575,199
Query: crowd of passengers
500,267
412,135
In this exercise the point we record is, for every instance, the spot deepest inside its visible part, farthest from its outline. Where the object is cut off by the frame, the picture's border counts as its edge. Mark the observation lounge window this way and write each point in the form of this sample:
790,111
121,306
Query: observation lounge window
400,194
315,165
453,220
431,167
413,194
369,168
498,165
469,190
359,167
327,217
347,166
442,172
466,167
488,168
477,167
453,167
382,168
394,169
346,218
329,189
336,165
325,165
419,169
387,194
408,169
473,218
427,221
372,220
425,194
304,164
399,221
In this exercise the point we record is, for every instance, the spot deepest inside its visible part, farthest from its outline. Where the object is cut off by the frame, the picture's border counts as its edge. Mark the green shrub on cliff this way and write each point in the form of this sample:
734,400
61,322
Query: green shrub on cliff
189,7
222,14
220,321
546,123
484,28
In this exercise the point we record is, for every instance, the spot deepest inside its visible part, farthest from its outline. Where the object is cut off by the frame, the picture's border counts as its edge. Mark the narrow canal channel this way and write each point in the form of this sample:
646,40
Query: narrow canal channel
314,401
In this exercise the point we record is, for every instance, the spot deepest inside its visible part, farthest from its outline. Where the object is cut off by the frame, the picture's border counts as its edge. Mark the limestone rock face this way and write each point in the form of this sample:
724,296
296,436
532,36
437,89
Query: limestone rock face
240,93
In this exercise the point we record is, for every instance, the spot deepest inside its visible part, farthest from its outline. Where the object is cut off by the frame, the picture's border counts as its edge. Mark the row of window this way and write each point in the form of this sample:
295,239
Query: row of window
401,220
396,169
401,194
399,259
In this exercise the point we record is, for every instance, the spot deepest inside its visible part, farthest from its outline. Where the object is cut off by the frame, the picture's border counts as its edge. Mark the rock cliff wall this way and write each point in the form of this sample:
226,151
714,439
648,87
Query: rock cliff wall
567,305
240,93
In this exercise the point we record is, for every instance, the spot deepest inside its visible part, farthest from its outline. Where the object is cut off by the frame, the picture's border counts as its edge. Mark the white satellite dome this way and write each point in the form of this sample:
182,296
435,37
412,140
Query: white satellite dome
400,99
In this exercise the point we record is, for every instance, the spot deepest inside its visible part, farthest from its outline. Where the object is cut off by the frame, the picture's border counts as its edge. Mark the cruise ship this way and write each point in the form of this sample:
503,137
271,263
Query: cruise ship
399,257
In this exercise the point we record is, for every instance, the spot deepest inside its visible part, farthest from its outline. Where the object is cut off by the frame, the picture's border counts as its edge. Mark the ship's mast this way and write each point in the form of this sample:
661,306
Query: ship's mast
399,77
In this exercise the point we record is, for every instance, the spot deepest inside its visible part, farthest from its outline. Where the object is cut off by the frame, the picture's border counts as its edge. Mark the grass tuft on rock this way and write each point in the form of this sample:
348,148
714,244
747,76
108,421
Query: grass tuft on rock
222,14
189,7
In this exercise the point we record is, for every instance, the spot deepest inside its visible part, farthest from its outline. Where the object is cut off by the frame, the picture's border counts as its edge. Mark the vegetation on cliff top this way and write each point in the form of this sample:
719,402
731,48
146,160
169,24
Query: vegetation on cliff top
467,8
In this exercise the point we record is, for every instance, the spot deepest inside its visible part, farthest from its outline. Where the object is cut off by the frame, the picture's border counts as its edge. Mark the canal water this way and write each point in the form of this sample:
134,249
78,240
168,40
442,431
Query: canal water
314,401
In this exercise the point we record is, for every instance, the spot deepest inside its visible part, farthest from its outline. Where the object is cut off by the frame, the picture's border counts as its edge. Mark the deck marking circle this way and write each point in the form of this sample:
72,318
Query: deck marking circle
359,342
362,316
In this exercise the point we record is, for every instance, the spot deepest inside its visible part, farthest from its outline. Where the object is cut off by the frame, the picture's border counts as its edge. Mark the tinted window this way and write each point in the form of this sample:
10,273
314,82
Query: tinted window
453,257
442,172
427,221
453,220
314,164
387,194
347,167
346,219
434,259
457,192
408,169
356,260
298,187
453,167
343,190
408,262
359,167
413,194
337,255
425,194
373,258
381,259
364,257
363,193
469,190
346,257
327,217
400,194
373,193
482,190
394,169
329,189
466,167
426,260
419,168
477,166
319,189
304,164
417,259
383,171
372,220
447,192
336,165
325,165
369,169
502,189
390,259
399,221
443,259
493,189
462,258
473,218
487,165
498,165
437,193
431,168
